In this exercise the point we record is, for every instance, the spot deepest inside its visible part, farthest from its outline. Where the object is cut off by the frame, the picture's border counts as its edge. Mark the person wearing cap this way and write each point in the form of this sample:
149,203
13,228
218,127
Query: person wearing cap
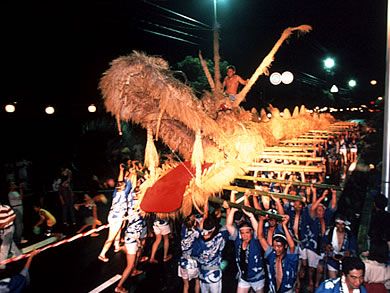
318,219
248,253
207,250
339,244
351,281
281,258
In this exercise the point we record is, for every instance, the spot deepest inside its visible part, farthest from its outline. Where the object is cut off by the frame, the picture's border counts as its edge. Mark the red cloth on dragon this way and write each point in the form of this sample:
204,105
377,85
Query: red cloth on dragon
166,195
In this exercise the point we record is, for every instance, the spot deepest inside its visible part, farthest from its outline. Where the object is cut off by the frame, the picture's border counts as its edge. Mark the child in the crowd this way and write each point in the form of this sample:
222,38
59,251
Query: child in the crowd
46,221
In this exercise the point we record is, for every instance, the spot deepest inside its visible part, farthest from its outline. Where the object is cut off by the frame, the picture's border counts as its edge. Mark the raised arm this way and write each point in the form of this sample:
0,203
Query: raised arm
333,202
317,202
121,172
229,221
313,193
279,206
290,240
252,218
260,235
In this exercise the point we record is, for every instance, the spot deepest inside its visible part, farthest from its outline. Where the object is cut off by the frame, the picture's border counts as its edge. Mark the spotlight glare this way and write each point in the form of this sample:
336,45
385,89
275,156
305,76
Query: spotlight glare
92,108
275,78
287,77
9,108
49,110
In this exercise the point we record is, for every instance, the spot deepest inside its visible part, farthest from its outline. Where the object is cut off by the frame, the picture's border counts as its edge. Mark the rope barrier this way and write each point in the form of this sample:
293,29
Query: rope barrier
58,243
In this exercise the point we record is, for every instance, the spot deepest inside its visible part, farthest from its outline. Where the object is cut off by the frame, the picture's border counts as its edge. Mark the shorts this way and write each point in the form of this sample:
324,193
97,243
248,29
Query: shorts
188,274
162,229
131,243
313,259
353,150
258,285
131,248
211,287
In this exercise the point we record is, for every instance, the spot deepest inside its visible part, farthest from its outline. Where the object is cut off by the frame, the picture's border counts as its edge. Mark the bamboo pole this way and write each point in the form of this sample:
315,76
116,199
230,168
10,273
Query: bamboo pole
315,136
290,148
265,193
292,154
298,183
249,209
289,157
303,140
207,72
286,168
325,131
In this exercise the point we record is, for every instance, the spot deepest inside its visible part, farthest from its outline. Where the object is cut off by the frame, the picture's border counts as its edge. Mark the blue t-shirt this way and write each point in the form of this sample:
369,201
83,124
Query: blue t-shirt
289,267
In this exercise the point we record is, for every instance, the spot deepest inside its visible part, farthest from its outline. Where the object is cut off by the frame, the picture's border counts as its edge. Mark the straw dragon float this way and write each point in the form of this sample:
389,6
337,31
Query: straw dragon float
216,146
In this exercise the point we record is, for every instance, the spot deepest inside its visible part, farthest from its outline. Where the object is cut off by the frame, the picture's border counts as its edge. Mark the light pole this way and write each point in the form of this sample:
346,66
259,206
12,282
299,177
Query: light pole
215,13
217,71
385,186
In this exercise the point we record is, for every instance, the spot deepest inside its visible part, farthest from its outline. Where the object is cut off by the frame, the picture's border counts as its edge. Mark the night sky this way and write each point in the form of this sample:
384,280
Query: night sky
56,51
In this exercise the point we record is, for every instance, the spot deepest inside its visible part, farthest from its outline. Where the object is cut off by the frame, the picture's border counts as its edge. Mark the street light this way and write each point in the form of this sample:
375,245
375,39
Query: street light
10,108
275,78
352,83
287,77
92,108
49,110
329,63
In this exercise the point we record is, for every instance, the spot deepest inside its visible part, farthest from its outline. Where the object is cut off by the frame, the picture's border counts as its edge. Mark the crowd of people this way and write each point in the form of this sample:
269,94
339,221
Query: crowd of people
279,244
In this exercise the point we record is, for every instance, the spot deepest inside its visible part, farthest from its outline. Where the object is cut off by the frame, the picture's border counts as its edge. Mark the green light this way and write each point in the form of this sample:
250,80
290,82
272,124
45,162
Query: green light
329,63
352,83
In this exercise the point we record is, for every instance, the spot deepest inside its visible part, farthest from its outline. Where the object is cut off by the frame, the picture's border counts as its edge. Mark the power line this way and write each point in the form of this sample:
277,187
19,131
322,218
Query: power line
170,37
171,29
176,13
